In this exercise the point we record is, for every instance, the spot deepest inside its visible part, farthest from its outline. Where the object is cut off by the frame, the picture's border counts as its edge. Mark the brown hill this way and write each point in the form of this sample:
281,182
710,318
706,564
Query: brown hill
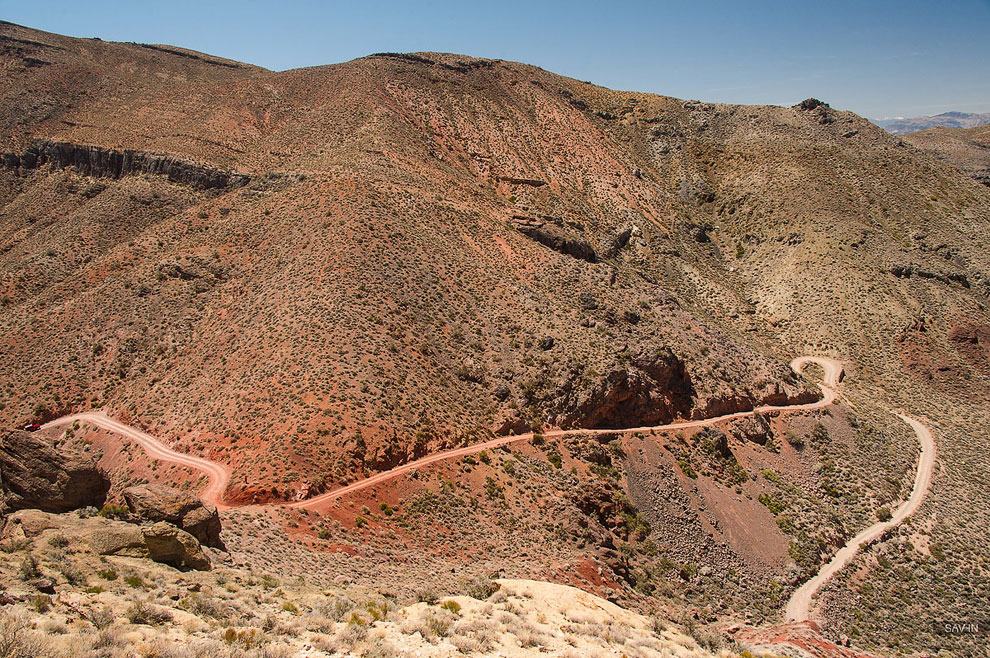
968,149
319,273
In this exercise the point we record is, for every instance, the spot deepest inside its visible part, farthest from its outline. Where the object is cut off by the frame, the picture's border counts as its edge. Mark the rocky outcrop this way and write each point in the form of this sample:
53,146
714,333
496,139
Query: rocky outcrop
156,502
34,475
171,545
906,271
161,542
755,429
101,162
972,341
531,182
555,237
651,388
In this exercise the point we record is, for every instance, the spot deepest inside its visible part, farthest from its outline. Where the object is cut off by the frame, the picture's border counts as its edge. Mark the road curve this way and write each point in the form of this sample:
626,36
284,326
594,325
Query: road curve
799,606
218,474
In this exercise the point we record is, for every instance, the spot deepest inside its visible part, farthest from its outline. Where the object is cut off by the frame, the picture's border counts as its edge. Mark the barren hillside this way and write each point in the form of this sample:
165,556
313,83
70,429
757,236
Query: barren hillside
318,274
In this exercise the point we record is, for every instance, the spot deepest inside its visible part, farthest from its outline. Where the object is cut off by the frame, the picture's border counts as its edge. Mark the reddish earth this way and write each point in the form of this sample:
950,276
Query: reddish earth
315,276
802,637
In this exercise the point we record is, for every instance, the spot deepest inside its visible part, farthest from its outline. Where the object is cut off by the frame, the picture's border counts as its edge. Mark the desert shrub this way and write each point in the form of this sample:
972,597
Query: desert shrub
686,468
107,574
480,587
379,648
427,595
335,608
108,638
15,545
101,618
203,605
819,436
437,625
54,627
351,636
492,488
451,605
884,514
378,611
134,580
772,503
142,612
41,603
69,571
17,640
466,645
29,568
58,541
113,511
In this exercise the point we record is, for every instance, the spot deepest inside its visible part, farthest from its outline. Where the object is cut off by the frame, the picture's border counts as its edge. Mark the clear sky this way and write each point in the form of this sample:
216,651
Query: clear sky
877,58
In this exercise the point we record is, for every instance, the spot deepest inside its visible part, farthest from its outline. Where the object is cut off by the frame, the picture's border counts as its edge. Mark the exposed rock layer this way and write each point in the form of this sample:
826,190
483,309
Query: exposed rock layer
110,163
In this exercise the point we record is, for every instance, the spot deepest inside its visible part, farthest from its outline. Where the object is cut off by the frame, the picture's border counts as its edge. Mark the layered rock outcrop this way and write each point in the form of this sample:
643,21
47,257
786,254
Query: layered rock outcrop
103,162
650,388
161,542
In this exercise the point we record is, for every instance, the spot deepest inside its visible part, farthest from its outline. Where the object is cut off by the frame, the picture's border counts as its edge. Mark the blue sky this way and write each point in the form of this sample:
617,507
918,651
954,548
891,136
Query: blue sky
879,59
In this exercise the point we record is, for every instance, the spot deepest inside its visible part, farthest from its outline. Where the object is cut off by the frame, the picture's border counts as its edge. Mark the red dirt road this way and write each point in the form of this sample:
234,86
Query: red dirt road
833,373
219,474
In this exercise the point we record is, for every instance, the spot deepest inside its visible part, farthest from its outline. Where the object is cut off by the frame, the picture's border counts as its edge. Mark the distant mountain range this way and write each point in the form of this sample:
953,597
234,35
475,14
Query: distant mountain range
946,120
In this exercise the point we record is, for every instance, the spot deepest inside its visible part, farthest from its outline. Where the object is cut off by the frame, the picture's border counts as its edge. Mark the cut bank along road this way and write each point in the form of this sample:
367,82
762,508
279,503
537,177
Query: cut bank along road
832,374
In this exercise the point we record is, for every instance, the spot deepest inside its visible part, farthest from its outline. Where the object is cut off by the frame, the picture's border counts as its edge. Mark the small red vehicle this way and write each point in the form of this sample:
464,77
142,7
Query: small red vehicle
32,427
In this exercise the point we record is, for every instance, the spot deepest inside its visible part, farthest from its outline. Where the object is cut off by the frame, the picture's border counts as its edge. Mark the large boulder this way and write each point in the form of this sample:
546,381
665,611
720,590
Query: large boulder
171,545
156,502
36,475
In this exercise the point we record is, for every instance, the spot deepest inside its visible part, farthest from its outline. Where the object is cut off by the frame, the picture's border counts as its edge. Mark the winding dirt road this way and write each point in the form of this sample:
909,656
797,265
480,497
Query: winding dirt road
798,608
219,474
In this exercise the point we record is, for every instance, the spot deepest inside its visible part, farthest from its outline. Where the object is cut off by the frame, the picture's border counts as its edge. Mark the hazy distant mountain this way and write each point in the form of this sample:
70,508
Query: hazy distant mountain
945,120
